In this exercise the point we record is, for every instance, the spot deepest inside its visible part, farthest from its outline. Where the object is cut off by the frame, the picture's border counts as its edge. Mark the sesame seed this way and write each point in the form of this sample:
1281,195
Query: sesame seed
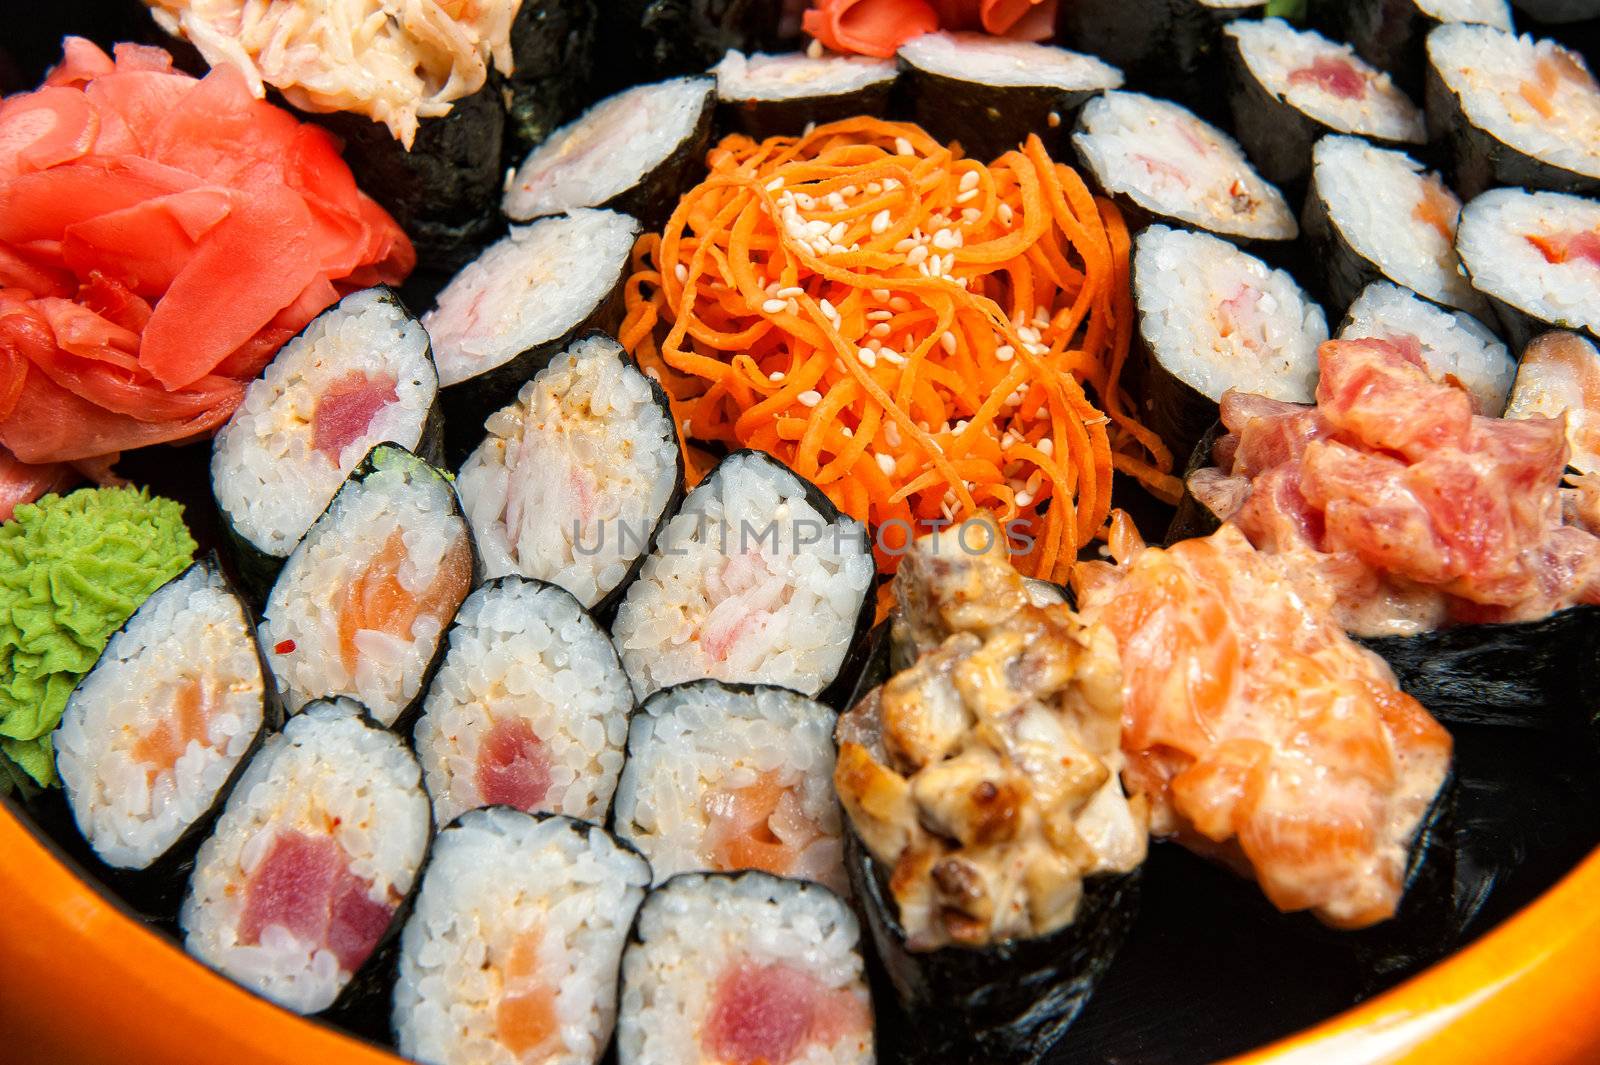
805,201
1005,353
836,201
794,308
970,215
1024,499
848,191
879,316
811,127
903,147
652,373
792,292
1046,446
946,238
810,397
900,303
969,180
836,234
1054,119
917,254
777,183
885,463
968,196
890,184
688,427
880,221
846,432
1005,213
903,246
891,434
880,330
948,342
827,309
681,272
924,269
881,295
867,358
814,49
874,188
775,306
894,358
775,375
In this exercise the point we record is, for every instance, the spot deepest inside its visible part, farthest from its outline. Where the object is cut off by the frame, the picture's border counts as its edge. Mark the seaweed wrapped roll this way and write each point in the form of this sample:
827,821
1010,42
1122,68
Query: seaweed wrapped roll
315,853
1536,255
154,734
361,606
726,778
743,967
513,949
1392,34
1559,374
1453,344
778,95
529,708
757,579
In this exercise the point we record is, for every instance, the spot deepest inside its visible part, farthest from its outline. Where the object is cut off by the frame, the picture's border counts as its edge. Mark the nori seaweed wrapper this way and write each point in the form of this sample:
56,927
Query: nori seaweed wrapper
553,54
760,119
1009,1002
1193,518
653,39
1390,34
990,120
1339,272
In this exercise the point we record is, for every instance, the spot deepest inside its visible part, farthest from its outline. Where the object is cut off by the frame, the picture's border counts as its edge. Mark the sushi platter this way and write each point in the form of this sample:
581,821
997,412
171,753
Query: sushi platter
800,531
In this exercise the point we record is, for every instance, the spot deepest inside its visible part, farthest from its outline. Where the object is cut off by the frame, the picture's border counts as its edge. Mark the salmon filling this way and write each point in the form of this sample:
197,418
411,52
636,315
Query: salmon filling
376,601
525,1018
161,747
762,826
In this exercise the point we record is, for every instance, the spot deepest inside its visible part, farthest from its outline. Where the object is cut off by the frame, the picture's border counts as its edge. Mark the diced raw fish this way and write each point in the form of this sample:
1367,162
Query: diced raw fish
513,767
304,885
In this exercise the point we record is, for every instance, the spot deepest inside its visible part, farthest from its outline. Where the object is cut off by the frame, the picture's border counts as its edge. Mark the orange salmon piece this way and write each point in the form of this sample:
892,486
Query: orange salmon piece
377,600
525,1018
162,746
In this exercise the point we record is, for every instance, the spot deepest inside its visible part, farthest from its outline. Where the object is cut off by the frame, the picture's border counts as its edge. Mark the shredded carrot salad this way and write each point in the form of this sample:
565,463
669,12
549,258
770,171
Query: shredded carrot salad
909,329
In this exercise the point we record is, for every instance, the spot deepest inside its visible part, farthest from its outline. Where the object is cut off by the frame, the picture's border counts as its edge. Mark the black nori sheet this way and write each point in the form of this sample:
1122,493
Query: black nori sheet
1520,327
1479,160
652,39
761,119
990,120
1339,272
1010,1002
1169,48
1390,34
1193,518
553,52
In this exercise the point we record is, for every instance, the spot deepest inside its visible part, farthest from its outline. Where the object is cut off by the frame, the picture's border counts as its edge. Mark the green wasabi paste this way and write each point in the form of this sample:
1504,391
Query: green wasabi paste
72,570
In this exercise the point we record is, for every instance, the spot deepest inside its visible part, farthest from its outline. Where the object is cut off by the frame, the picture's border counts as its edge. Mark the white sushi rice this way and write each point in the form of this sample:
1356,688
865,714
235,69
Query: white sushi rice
746,583
300,626
1274,51
1489,12
692,929
574,476
977,57
1549,387
268,476
533,287
1502,262
520,649
1374,196
192,629
494,881
1452,343
609,149
690,745
1171,163
1486,68
797,76
325,768
1218,318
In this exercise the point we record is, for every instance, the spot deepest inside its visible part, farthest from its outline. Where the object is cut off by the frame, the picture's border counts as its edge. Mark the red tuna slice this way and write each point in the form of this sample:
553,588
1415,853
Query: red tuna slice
22,483
44,129
1334,75
148,245
772,1013
305,886
42,206
247,269
346,409
513,768
81,60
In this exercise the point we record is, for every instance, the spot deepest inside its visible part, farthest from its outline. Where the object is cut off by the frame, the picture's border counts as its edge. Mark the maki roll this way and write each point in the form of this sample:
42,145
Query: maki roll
779,95
513,949
1537,257
1162,162
1560,375
1392,34
724,778
1454,345
552,68
575,477
1167,47
634,152
757,579
1213,318
990,93
1513,110
743,967
1288,87
313,857
990,841
1372,215
529,708
154,734
502,318
361,373
361,606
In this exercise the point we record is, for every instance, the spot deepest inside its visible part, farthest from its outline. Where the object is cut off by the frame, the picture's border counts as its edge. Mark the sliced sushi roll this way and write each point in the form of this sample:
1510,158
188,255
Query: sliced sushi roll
1288,87
634,152
513,949
723,778
779,95
990,841
1454,345
1560,374
758,579
552,69
1165,163
1537,257
1372,214
1212,318
1169,48
312,860
361,373
1392,34
576,476
1513,110
529,708
502,318
361,606
154,734
990,93
744,967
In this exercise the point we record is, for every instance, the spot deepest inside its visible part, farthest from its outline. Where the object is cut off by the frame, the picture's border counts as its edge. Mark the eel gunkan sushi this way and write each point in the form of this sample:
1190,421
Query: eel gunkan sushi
990,840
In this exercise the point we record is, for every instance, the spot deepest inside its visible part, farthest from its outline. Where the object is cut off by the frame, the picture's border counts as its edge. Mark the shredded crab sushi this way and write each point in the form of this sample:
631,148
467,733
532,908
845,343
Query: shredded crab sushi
529,708
512,951
741,969
361,606
151,737
725,779
317,847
